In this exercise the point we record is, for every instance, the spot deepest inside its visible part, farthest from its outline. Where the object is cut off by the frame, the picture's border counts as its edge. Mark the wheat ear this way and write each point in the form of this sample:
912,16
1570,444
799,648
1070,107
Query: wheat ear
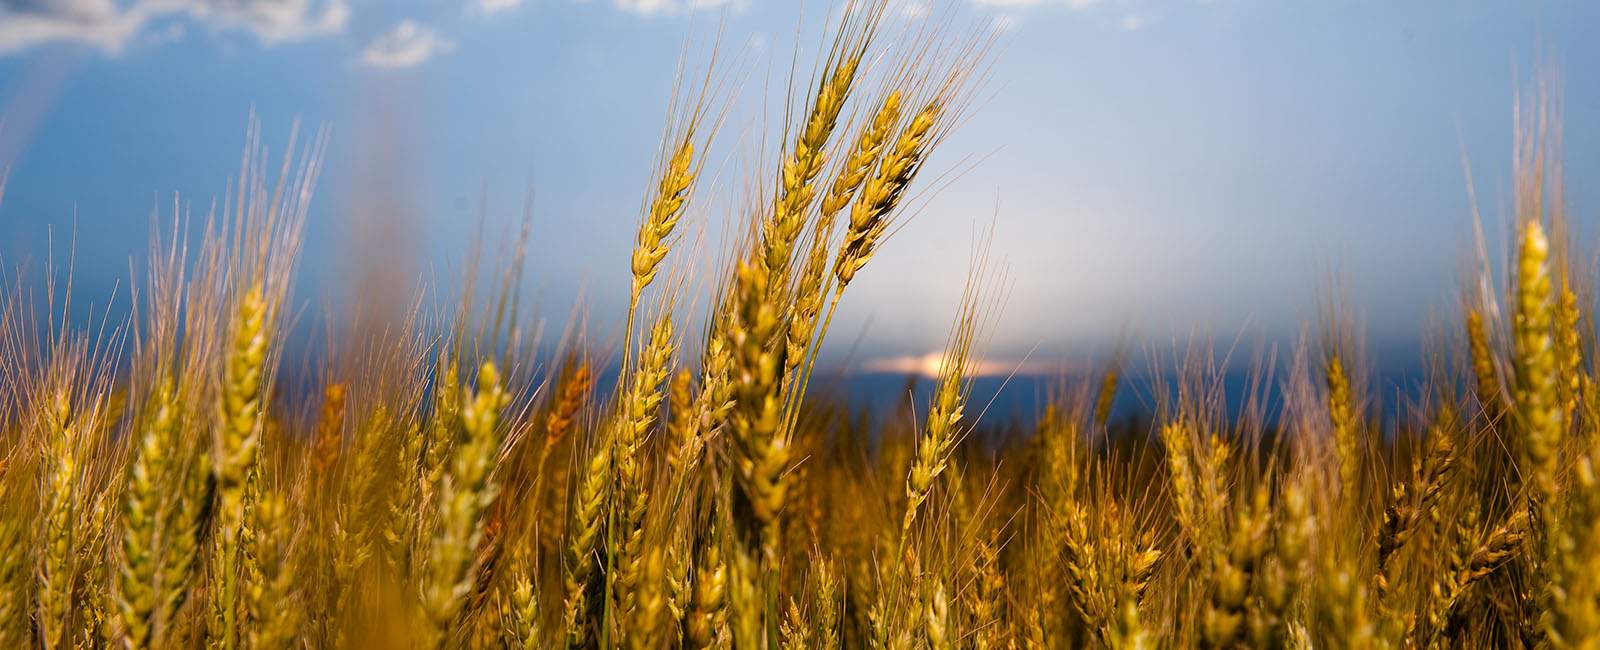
467,491
136,597
237,438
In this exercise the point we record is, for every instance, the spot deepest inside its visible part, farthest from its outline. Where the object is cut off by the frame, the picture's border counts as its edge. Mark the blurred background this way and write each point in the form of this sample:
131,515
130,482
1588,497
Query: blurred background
1150,170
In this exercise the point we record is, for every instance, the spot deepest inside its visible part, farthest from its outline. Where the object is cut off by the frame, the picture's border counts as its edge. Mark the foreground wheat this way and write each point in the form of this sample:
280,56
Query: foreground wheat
437,483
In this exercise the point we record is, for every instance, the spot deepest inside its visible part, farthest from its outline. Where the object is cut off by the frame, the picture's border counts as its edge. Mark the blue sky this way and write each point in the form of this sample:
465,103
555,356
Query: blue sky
1163,165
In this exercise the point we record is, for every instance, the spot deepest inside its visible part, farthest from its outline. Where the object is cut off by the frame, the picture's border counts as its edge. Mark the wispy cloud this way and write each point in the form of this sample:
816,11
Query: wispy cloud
109,26
1135,15
658,7
271,21
409,44
491,7
1073,4
910,8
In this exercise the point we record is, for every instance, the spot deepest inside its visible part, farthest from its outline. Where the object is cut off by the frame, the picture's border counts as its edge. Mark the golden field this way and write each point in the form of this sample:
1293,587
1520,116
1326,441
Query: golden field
448,485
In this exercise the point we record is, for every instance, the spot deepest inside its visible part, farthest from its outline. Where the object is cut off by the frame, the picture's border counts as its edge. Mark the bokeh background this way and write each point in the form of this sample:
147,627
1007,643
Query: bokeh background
1149,170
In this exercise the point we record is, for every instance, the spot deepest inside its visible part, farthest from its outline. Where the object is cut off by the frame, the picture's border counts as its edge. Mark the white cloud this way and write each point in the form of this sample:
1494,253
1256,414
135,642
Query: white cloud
28,23
109,25
1142,15
270,20
409,44
491,7
658,7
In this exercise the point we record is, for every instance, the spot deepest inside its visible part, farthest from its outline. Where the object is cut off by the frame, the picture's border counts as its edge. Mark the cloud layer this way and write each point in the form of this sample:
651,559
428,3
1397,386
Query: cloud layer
108,25
111,25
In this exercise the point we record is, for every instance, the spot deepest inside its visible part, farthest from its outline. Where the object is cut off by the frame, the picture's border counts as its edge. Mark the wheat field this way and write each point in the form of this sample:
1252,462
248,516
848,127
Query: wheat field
445,485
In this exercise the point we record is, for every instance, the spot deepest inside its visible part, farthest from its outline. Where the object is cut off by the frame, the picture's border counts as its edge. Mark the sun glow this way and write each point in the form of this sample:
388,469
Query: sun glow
928,365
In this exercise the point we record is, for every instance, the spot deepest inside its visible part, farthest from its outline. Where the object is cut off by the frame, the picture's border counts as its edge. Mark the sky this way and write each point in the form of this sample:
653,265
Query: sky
1148,169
